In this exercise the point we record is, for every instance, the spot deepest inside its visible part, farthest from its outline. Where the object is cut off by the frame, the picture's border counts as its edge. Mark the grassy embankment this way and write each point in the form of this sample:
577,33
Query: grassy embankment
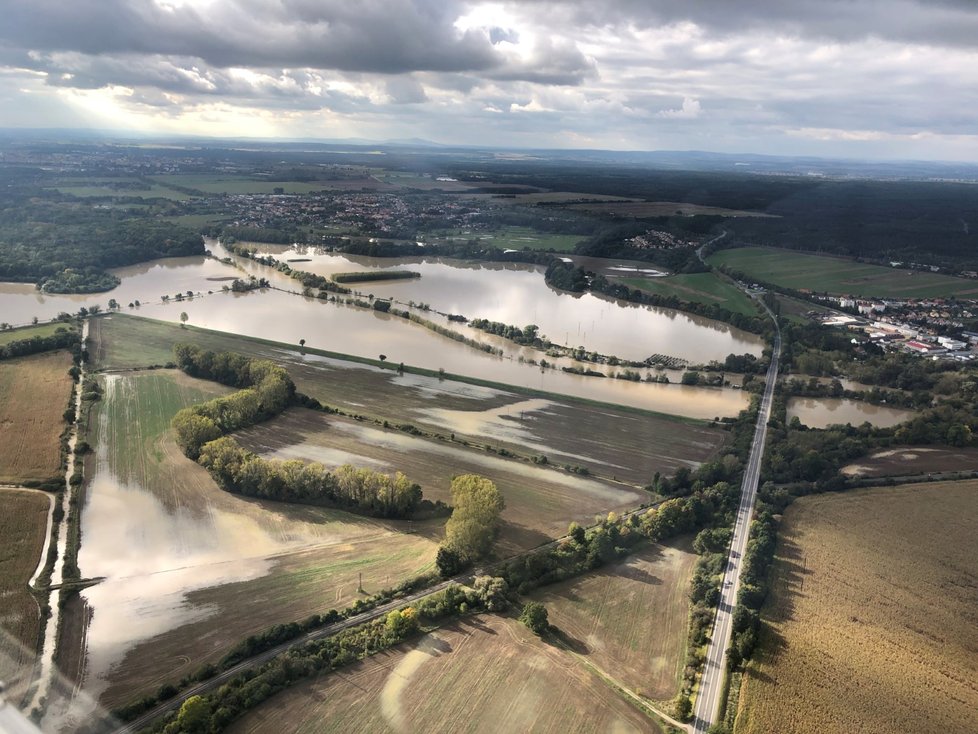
34,393
708,288
839,275
872,616
23,527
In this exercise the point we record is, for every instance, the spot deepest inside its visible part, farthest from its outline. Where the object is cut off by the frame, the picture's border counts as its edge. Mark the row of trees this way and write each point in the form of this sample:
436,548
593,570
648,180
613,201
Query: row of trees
361,490
527,336
62,338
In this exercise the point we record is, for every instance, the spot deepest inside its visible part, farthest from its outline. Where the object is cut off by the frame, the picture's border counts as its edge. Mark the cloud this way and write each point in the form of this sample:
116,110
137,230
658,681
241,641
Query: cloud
813,75
690,110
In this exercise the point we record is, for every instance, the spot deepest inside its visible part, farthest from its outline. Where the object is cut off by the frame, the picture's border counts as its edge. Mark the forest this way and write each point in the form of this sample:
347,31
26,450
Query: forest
64,244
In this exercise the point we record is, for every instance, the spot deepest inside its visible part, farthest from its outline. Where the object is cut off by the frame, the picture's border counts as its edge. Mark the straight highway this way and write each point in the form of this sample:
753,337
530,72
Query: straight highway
711,682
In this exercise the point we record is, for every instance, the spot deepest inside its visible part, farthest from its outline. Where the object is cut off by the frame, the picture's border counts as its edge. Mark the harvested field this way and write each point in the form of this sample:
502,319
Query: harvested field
609,441
913,460
203,568
482,674
802,271
540,502
872,620
23,527
630,619
34,394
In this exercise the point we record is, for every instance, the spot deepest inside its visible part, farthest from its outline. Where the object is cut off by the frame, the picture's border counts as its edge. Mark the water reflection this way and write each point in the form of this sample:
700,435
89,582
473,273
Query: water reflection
823,412
519,295
515,293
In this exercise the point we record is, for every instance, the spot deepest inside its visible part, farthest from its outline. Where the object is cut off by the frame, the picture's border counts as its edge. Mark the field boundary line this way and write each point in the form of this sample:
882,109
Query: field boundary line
623,689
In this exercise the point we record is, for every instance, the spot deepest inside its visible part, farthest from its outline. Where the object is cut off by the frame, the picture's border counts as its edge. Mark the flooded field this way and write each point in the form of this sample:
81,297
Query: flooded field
152,344
823,412
510,293
515,293
540,501
189,569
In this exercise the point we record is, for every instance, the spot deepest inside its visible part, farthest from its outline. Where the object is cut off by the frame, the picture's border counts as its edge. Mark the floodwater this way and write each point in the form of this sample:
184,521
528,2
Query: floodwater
152,555
513,294
823,412
146,282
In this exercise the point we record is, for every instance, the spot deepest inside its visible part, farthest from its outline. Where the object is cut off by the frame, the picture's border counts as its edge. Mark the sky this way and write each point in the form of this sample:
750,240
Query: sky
856,78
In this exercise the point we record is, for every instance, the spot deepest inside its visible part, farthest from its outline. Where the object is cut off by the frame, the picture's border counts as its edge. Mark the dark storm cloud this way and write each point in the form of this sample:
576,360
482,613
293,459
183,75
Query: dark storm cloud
933,22
389,37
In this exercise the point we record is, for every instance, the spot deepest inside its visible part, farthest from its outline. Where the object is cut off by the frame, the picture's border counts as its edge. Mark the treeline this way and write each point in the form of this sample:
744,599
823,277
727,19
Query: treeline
267,391
240,471
62,338
362,277
428,324
247,690
526,336
568,277
308,280
79,280
201,432
66,245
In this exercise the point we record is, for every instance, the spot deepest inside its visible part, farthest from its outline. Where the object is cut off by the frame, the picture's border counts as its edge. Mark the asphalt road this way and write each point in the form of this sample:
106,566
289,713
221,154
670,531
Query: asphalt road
711,683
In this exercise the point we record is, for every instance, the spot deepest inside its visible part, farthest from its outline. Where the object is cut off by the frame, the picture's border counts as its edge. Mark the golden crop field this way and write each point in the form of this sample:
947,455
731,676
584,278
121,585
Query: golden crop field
23,527
34,393
481,674
873,622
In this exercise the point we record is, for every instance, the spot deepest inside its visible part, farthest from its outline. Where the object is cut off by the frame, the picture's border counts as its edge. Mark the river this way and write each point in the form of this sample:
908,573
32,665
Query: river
513,294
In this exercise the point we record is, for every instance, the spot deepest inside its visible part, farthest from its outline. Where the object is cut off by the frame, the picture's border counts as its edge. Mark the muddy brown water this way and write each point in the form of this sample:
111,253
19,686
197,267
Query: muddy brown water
514,294
823,412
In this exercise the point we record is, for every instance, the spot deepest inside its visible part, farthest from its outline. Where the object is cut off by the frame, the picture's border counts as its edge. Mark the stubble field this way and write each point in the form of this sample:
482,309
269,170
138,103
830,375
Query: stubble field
34,393
873,619
481,674
630,619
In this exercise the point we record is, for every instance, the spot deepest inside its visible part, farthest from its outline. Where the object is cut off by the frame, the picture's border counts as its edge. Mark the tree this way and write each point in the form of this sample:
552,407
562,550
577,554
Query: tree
477,505
383,357
183,319
302,343
535,617
449,562
493,591
400,623
684,707
194,715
